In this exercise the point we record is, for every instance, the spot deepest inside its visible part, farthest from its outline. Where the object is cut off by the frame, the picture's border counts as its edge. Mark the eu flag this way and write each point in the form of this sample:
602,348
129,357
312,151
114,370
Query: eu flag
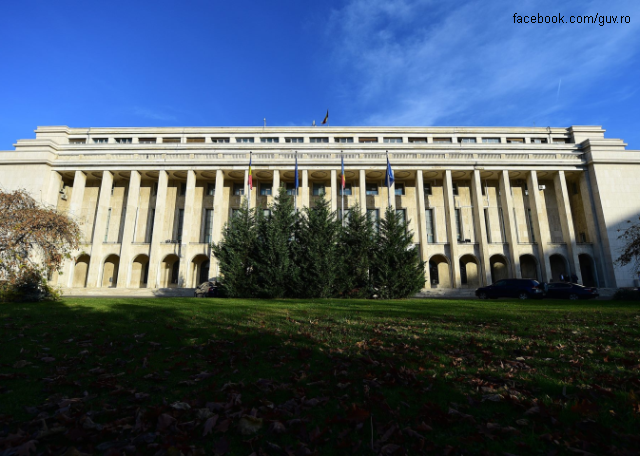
388,179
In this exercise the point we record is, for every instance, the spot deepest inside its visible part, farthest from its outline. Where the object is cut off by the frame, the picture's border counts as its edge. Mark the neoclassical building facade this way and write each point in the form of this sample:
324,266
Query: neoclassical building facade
483,203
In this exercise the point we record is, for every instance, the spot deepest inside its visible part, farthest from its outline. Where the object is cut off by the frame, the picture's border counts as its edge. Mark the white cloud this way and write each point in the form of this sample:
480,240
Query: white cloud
421,62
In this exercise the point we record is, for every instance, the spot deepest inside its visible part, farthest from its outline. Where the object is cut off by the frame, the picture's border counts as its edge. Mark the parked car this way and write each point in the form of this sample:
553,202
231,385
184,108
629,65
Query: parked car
206,290
561,290
512,288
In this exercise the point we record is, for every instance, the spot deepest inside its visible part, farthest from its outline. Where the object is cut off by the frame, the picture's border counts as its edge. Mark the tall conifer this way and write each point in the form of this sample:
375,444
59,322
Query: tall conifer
356,246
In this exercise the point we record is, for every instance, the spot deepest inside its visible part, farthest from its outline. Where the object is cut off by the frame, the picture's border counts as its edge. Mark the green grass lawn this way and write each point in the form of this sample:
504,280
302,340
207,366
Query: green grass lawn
206,376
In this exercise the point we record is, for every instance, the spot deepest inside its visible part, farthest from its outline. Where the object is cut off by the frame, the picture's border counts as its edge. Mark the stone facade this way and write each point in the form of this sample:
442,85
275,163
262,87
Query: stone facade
483,203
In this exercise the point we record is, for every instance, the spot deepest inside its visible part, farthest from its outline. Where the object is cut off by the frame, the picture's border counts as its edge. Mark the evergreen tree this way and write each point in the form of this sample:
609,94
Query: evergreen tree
316,253
356,245
397,271
235,254
274,256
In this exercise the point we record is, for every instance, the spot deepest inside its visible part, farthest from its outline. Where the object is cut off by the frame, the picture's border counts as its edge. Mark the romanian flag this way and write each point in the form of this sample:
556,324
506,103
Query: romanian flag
250,175
342,160
326,118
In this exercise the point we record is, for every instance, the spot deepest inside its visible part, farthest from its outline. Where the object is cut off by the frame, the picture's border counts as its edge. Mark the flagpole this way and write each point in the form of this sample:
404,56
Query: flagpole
341,185
249,186
295,180
388,182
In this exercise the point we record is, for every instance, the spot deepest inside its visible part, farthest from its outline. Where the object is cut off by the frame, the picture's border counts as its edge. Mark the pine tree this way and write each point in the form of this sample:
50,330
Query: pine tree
316,252
356,245
235,254
397,271
274,265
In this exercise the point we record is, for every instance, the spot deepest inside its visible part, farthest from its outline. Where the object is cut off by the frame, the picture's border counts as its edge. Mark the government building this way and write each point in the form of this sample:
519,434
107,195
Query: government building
483,203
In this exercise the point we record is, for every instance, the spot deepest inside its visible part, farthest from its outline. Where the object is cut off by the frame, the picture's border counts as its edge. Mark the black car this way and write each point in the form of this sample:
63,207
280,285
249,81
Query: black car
206,290
512,288
561,290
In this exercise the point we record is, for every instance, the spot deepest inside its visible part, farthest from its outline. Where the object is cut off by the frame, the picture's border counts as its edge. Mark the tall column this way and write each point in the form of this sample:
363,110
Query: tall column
276,183
509,222
52,194
391,196
566,222
158,230
104,201
305,189
481,227
363,191
593,229
334,190
450,214
220,216
541,232
187,229
131,214
422,227
75,211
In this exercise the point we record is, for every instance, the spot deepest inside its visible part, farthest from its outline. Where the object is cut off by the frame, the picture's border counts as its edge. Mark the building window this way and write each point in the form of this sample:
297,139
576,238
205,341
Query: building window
455,189
583,237
244,140
183,188
180,225
374,216
428,216
77,141
269,140
100,140
290,188
124,140
441,140
401,214
467,140
344,140
371,189
147,140
211,189
106,231
266,188
266,213
463,273
574,188
195,140
392,140
515,141
318,189
538,140
318,140
491,140
560,140
294,140
171,140
238,189
459,224
346,191
427,189
418,140
368,140
208,224
219,140
399,189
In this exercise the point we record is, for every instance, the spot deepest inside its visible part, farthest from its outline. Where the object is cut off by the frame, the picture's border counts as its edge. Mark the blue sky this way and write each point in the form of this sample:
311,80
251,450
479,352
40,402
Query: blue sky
370,62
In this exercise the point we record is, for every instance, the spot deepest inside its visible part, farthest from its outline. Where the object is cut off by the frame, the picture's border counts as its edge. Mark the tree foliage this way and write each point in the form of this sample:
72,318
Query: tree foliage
631,252
34,241
356,246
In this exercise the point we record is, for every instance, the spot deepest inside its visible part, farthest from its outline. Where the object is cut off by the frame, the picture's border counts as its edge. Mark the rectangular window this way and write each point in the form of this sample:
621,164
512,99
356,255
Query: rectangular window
538,140
318,140
269,140
211,189
147,140
428,216
266,213
183,188
291,188
77,141
368,140
124,140
467,140
399,189
238,189
180,225
371,189
427,189
318,189
195,140
459,224
208,224
442,140
344,140
560,140
402,215
515,140
294,140
491,140
374,216
347,189
266,188
418,140
244,140
171,140
100,140
392,140
219,140
583,237
456,191
533,238
106,231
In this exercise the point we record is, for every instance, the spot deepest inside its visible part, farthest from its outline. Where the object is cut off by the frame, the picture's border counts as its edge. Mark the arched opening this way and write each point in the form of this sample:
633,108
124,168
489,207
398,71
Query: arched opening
439,274
529,267
110,271
587,270
170,272
469,272
80,271
499,268
558,267
199,270
139,272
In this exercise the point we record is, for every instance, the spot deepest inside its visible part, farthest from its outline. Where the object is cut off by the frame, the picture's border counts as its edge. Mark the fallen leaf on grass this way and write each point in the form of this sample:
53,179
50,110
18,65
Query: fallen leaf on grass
21,364
47,359
249,424
181,406
164,421
209,424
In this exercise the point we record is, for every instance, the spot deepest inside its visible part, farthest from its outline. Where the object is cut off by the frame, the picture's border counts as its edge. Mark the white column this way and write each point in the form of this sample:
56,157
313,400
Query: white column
391,195
104,201
75,211
566,222
52,194
363,191
187,229
450,214
133,199
541,232
422,226
593,230
276,183
220,215
481,227
510,223
158,230
334,190
305,188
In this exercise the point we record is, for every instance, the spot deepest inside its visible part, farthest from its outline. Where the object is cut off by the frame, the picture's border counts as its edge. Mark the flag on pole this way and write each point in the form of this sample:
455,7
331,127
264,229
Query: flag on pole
388,179
342,160
250,175
297,183
326,118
